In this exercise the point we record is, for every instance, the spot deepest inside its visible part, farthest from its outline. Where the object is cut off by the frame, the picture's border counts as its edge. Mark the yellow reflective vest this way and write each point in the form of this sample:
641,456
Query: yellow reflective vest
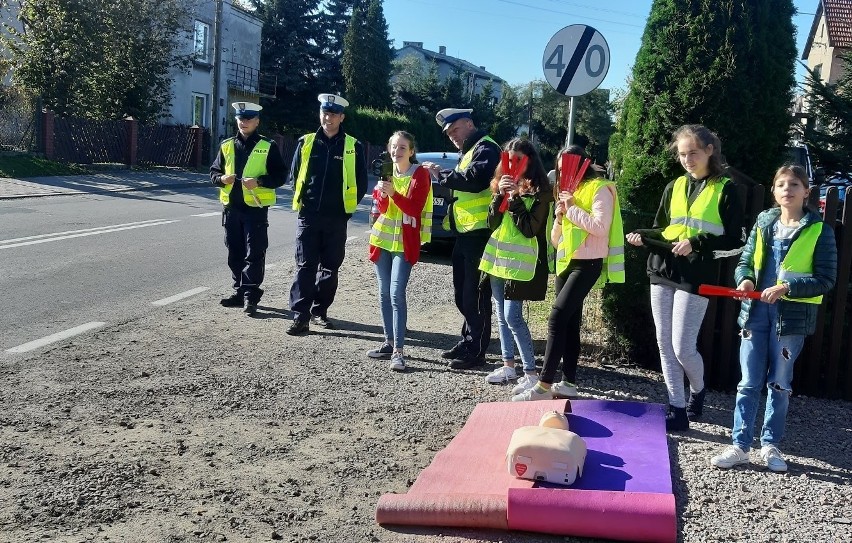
350,185
573,236
255,167
798,262
509,254
702,216
387,230
470,210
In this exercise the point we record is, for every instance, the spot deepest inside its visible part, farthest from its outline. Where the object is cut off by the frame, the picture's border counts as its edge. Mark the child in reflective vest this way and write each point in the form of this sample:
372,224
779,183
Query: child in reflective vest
699,220
587,234
515,261
404,222
791,258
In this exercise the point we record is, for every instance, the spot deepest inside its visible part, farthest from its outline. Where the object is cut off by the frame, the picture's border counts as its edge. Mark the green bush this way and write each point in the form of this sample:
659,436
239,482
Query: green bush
375,126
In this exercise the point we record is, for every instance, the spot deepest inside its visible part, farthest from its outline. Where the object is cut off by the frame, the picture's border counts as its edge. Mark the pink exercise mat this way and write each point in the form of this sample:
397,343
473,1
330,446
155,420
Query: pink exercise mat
625,492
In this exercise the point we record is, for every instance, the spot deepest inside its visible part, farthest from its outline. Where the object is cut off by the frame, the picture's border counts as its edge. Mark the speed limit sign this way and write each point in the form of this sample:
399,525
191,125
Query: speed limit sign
576,60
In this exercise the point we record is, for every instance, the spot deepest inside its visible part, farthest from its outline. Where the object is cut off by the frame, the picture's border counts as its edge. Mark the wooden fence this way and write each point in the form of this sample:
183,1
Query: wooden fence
86,141
825,366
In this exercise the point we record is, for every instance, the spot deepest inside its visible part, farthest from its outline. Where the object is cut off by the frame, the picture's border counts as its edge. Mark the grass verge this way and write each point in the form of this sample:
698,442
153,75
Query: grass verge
21,165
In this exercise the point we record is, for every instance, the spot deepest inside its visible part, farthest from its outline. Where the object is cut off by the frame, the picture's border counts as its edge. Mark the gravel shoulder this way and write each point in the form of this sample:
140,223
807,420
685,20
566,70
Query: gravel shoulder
195,423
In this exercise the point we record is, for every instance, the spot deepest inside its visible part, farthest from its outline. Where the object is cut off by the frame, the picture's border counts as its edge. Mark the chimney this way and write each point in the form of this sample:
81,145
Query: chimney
442,49
413,44
482,68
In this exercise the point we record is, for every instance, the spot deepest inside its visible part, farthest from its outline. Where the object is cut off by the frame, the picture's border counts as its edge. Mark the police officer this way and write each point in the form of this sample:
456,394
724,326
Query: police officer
329,176
468,216
247,171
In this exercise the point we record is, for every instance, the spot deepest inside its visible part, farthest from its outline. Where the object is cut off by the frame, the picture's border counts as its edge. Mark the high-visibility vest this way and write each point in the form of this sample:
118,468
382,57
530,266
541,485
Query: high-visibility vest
702,216
387,230
799,260
509,254
470,210
573,236
255,167
350,184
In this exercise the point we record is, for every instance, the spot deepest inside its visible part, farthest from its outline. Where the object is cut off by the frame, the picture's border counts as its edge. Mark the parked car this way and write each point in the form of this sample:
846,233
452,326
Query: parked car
842,184
441,196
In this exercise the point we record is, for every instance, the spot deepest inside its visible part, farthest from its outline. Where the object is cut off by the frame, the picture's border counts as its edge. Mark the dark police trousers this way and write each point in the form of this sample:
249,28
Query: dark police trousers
320,248
472,300
246,239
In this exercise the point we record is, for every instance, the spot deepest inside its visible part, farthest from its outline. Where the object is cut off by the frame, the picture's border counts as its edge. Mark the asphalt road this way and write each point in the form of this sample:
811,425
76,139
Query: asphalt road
76,261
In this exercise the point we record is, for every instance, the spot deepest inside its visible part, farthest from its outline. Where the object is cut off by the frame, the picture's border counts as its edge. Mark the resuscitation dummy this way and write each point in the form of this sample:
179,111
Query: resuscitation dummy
547,452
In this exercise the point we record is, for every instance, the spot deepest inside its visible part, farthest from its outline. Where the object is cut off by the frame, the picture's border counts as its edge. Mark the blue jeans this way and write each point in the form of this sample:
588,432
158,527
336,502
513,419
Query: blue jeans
765,357
393,272
512,326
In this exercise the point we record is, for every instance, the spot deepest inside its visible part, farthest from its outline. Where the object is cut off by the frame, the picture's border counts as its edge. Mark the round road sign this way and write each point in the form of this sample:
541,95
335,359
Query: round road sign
576,60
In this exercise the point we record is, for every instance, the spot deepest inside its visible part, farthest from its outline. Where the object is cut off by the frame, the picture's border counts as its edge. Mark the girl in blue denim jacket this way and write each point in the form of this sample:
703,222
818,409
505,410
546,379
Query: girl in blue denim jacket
791,257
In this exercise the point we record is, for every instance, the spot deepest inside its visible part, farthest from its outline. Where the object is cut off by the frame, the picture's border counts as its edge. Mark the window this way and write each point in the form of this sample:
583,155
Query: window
201,41
199,109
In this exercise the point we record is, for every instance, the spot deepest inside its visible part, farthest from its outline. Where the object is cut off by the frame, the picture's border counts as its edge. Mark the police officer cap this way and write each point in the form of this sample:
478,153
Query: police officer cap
448,116
332,103
246,110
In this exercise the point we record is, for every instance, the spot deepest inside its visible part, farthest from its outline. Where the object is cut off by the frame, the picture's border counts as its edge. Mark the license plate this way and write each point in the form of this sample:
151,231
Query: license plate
437,201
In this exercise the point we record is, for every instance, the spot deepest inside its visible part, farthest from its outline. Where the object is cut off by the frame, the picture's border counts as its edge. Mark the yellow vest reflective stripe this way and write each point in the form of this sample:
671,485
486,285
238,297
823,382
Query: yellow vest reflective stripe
702,216
387,230
573,236
509,254
255,167
797,263
350,184
470,210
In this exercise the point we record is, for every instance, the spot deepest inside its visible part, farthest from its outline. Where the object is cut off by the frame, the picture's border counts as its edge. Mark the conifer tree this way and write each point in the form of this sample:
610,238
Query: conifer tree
367,57
829,131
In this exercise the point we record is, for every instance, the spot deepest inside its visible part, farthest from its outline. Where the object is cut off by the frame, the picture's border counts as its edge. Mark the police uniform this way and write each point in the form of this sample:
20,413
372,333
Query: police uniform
329,177
468,215
245,214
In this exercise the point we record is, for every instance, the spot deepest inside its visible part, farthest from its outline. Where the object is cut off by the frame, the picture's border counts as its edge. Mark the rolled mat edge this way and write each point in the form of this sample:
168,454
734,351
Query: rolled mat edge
451,510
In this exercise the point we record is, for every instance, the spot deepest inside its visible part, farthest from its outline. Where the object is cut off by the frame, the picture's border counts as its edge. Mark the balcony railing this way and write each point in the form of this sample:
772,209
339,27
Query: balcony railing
248,79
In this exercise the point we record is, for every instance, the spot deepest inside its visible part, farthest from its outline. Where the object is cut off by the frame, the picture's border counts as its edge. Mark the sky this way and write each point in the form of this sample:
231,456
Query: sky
508,37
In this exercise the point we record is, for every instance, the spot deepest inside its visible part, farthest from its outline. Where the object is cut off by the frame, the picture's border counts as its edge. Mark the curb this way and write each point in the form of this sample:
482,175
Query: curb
102,191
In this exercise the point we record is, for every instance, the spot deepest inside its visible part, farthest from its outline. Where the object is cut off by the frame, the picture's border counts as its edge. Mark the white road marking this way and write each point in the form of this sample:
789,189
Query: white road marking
53,338
44,238
211,214
350,238
181,296
2,241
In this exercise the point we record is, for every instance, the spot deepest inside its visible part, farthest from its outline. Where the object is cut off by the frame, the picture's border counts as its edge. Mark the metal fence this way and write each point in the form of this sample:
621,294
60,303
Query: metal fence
167,145
18,121
86,141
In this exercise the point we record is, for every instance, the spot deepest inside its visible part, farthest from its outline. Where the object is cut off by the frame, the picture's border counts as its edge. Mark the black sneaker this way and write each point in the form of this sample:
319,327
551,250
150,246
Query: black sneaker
695,407
458,351
249,308
676,420
298,328
322,322
235,300
466,363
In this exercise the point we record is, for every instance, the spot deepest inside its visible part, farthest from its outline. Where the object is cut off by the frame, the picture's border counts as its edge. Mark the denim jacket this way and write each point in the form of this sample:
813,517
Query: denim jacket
794,318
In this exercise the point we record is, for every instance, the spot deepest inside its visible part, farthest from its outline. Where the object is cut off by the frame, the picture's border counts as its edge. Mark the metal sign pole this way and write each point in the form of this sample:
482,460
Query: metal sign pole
569,139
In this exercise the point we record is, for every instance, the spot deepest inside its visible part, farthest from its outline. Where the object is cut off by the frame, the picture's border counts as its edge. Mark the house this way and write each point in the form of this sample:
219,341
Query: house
225,43
830,37
8,16
474,77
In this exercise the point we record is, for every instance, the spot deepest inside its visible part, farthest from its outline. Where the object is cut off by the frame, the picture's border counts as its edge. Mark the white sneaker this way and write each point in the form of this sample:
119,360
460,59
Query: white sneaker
772,458
526,382
730,457
501,375
564,390
397,362
532,395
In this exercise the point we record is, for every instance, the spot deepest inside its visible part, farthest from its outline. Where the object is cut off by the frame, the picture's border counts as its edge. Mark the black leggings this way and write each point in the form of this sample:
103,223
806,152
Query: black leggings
563,326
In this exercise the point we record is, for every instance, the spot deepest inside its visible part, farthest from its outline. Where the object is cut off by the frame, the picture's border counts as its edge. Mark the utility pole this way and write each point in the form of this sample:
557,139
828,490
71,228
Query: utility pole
215,124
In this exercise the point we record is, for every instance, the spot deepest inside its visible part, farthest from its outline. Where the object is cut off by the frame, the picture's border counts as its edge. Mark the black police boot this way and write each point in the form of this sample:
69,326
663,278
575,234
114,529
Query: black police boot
459,350
467,362
234,300
676,420
298,328
249,307
695,407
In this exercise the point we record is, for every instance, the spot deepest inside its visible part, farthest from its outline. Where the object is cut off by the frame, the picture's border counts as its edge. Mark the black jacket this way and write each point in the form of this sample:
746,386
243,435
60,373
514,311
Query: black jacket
275,172
531,223
322,193
701,266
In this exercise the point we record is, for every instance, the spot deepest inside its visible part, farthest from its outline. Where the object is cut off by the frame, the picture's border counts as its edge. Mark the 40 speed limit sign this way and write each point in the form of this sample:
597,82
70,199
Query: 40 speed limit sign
576,60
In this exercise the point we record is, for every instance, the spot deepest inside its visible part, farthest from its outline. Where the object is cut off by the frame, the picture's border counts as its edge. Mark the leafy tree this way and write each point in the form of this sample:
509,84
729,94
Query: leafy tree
99,58
367,57
829,131
291,31
730,68
509,114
